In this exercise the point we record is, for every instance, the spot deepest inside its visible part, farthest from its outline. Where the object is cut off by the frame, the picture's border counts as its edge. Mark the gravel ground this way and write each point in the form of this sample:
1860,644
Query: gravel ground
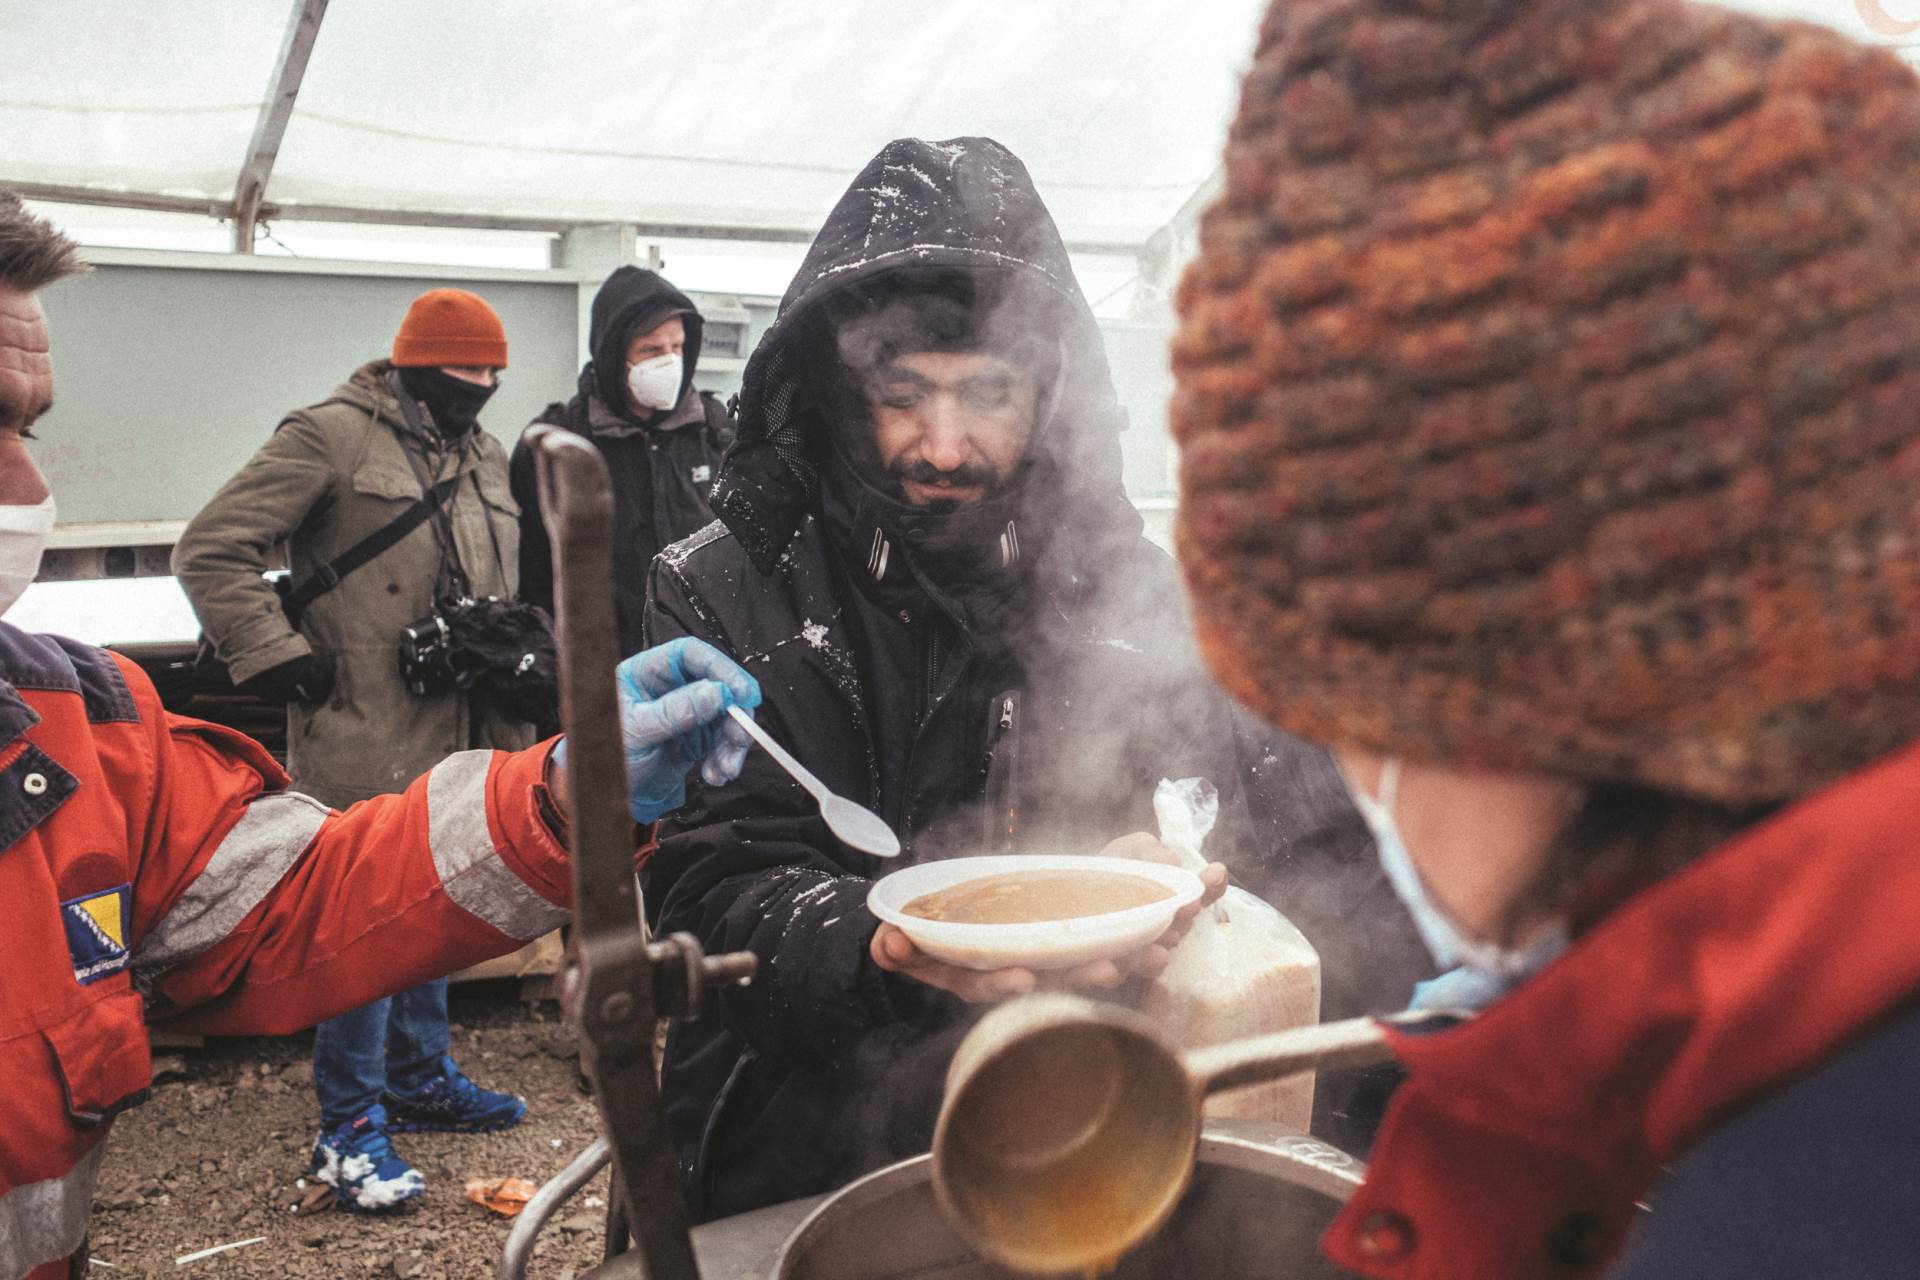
219,1152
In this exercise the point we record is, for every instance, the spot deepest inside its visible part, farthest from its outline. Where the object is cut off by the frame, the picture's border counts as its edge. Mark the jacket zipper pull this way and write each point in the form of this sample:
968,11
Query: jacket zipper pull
1001,770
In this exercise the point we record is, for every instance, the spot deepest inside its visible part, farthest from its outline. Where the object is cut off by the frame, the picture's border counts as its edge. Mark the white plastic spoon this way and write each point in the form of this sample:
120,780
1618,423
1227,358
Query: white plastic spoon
855,824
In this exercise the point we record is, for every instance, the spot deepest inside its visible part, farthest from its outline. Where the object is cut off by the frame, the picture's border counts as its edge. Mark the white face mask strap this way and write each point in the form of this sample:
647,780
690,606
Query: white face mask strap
1390,784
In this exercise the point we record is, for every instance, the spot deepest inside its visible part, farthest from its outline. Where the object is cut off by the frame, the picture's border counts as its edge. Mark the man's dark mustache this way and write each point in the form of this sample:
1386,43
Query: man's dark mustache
962,477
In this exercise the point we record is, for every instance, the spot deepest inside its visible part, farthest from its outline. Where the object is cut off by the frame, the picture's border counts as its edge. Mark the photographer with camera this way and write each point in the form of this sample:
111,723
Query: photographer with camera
395,642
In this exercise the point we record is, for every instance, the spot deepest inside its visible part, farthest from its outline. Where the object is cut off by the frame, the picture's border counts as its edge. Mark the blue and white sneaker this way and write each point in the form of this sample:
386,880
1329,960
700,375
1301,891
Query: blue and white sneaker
451,1103
358,1161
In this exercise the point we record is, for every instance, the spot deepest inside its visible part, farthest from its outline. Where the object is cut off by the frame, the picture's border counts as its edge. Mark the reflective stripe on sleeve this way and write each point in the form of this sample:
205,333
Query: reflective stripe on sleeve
275,830
42,1222
470,867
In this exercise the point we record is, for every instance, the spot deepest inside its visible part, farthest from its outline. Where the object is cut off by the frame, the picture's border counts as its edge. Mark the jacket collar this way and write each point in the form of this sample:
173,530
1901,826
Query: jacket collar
16,717
1522,1139
30,663
367,389
605,423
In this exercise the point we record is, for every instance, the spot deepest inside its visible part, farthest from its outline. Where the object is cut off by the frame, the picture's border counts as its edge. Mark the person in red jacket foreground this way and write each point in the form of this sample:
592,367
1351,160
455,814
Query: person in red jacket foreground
155,868
1547,389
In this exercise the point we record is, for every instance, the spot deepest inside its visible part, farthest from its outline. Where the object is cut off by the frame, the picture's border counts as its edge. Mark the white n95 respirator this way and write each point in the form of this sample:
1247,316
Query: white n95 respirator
655,383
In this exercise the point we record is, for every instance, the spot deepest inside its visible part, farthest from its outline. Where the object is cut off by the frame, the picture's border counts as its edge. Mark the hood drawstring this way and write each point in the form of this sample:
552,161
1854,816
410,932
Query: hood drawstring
880,552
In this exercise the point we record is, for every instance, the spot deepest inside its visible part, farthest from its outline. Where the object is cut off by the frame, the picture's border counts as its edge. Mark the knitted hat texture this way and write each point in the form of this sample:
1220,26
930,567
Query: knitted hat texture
450,328
1549,392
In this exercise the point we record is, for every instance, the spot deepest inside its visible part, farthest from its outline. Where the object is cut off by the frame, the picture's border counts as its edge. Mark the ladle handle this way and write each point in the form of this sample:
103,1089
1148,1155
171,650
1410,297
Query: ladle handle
1356,1042
801,774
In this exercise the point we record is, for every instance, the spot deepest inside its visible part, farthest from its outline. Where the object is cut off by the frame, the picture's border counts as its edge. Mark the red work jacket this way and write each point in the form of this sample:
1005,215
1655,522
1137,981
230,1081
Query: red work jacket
1719,1044
153,867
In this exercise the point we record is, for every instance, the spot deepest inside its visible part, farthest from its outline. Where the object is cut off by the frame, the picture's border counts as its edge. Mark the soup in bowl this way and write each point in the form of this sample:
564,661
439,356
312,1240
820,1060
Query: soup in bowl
1033,911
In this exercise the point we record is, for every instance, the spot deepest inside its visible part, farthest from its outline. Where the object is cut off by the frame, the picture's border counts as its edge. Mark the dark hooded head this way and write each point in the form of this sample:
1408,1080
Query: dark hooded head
939,285
634,301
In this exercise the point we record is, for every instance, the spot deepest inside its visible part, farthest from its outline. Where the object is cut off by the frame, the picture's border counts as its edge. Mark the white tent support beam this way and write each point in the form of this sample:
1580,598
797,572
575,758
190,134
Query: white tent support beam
106,197
1167,251
291,211
250,192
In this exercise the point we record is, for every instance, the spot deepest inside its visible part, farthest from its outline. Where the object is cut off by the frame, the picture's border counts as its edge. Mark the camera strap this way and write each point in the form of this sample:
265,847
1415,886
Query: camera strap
328,575
454,583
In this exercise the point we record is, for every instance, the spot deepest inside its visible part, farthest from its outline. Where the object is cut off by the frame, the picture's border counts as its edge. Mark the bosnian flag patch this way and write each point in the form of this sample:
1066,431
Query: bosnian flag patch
97,933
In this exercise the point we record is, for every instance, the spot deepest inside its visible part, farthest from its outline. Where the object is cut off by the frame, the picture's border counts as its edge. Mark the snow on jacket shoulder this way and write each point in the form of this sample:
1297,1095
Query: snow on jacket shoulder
157,867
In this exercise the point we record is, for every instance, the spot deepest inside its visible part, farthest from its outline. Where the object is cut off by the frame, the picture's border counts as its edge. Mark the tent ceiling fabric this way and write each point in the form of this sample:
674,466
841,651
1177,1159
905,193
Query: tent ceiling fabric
724,113
703,112
134,97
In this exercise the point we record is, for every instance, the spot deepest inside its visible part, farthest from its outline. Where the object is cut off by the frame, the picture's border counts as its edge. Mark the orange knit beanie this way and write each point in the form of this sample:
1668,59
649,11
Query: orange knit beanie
1549,392
450,327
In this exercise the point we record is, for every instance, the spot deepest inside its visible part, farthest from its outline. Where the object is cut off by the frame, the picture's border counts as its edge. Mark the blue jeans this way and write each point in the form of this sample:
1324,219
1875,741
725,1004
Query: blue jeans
396,1044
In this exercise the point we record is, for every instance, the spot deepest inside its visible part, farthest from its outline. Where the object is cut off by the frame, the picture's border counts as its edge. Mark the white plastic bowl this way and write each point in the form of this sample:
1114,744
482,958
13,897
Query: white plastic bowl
1049,944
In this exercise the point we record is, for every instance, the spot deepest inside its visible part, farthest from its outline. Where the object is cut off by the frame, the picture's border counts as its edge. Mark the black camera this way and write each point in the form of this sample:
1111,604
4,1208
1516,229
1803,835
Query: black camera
426,656
502,648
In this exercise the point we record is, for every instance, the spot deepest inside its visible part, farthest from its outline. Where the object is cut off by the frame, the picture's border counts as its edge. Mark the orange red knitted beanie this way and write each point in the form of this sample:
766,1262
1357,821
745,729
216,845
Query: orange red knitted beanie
1549,392
450,328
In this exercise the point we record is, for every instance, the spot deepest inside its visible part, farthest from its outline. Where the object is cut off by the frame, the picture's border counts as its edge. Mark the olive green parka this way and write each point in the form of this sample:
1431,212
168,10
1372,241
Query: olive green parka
330,475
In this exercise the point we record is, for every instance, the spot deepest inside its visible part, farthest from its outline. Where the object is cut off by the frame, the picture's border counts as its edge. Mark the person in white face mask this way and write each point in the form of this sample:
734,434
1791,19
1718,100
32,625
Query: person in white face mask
1544,392
26,392
661,437
159,869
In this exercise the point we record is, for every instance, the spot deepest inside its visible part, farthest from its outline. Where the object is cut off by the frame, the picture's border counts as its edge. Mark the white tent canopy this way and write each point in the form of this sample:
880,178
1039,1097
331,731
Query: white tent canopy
723,119
741,116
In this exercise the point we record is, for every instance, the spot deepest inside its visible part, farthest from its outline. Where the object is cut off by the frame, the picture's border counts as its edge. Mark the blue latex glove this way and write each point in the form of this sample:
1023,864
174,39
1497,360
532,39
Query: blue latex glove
673,716
1462,990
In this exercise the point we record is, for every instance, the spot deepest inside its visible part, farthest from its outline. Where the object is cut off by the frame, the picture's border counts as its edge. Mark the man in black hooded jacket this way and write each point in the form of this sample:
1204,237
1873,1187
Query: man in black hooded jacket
925,554
662,439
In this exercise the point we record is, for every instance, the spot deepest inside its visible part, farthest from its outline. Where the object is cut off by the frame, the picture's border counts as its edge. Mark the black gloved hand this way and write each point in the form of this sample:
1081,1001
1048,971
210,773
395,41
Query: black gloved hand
307,678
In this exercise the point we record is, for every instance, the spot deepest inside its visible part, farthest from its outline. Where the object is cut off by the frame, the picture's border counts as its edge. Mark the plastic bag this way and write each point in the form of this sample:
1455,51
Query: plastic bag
1187,811
1242,970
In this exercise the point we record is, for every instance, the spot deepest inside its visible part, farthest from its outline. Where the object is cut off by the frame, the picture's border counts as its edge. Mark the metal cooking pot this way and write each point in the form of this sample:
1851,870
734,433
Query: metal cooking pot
1260,1198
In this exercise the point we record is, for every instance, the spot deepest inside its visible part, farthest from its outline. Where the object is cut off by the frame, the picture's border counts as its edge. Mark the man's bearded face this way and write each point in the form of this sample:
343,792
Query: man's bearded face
950,427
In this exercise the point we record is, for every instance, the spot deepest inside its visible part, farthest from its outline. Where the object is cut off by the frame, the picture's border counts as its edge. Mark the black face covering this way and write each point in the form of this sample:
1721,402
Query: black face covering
454,402
954,544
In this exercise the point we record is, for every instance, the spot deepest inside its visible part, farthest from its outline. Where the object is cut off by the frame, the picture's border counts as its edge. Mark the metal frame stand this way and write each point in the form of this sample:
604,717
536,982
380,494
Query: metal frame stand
619,984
